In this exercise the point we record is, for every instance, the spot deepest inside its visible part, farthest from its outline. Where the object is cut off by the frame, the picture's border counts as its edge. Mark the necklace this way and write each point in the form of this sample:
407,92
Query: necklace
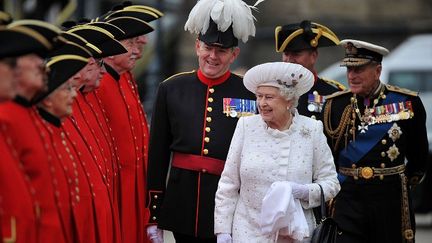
367,118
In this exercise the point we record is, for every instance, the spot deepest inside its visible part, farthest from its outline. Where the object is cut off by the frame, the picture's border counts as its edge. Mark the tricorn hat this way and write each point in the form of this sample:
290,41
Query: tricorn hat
61,69
358,53
304,35
5,18
100,38
132,27
28,36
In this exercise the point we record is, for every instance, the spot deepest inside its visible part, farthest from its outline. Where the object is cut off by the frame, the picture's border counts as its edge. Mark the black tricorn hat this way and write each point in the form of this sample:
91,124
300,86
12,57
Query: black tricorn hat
132,27
61,69
5,18
214,37
98,37
143,14
304,35
144,7
72,48
114,30
127,8
50,31
21,41
28,36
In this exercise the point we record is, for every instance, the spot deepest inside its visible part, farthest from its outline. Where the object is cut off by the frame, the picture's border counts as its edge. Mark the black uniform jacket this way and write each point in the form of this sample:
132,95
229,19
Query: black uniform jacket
406,139
189,118
310,104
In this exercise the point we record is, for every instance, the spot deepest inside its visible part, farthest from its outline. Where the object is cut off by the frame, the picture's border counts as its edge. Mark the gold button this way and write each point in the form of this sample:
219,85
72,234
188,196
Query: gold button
155,196
154,218
210,99
384,141
207,139
207,129
208,119
205,151
211,90
383,154
313,117
154,207
209,109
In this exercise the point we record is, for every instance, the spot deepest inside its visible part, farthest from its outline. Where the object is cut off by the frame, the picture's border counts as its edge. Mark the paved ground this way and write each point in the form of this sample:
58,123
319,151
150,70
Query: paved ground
423,235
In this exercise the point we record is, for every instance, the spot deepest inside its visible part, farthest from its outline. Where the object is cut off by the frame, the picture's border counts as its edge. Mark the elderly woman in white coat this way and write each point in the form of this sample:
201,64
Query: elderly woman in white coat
277,153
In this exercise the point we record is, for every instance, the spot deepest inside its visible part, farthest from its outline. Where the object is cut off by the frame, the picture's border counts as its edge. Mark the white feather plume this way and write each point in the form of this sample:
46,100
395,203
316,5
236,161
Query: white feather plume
224,13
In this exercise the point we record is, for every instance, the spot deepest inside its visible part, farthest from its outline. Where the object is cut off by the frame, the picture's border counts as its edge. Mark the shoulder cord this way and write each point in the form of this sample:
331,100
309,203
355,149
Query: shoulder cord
341,128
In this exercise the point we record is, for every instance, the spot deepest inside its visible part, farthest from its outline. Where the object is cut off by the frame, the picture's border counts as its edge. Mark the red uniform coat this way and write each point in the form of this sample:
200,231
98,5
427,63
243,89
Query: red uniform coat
96,168
129,131
17,214
80,190
94,131
50,188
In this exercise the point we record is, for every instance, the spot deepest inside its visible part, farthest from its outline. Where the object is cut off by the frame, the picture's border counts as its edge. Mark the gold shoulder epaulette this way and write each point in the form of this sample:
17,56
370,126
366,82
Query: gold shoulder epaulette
178,74
339,93
334,83
401,90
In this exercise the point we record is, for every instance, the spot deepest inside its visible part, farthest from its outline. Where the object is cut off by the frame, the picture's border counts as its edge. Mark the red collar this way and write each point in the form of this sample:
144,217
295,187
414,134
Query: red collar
211,82
315,77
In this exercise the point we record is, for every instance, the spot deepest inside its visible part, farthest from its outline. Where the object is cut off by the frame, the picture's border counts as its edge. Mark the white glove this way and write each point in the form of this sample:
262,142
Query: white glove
155,234
223,238
300,191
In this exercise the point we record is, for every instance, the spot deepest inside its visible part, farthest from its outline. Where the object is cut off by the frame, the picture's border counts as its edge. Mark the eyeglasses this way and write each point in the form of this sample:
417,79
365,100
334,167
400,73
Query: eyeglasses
100,62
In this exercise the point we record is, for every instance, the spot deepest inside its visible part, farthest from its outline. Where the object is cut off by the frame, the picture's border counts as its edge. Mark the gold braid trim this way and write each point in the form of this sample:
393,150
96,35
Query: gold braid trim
407,232
343,124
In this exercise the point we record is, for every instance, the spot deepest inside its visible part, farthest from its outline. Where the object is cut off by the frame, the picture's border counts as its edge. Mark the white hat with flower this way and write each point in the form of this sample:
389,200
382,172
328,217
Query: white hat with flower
288,77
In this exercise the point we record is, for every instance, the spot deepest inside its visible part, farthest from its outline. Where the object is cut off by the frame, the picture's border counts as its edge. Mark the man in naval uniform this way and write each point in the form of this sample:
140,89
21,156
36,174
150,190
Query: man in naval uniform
193,121
299,44
377,133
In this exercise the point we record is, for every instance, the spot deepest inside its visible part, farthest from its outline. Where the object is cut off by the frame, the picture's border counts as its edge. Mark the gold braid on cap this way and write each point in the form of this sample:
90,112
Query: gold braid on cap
337,134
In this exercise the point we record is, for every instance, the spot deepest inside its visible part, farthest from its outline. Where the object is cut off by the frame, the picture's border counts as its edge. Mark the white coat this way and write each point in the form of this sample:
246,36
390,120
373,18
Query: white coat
259,156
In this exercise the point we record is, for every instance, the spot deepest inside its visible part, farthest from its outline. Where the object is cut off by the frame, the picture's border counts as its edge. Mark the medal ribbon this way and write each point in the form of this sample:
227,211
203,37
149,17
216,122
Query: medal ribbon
364,142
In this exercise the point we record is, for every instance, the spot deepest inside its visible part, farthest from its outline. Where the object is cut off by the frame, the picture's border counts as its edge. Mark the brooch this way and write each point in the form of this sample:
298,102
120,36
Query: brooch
393,152
304,132
394,132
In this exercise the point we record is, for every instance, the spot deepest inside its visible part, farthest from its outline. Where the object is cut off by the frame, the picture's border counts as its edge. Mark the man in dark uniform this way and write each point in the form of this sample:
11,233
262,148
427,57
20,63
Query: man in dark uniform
193,121
299,43
373,128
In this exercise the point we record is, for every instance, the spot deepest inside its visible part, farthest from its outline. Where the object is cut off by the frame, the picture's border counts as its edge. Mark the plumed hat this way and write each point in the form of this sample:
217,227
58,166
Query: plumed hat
221,22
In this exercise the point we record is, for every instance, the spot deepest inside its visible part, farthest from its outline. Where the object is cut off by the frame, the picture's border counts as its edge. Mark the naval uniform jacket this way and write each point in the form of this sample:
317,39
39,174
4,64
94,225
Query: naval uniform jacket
310,104
388,144
188,118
